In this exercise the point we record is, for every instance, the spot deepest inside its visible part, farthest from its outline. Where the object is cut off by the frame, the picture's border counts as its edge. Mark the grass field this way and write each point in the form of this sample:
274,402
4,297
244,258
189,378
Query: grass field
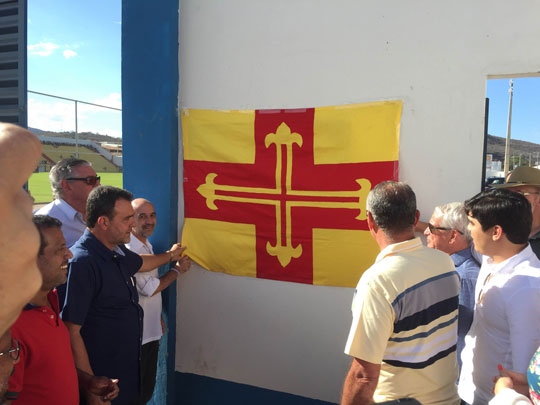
40,188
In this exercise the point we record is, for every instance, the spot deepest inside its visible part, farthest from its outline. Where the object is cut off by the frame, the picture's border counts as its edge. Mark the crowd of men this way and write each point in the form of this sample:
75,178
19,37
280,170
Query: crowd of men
433,324
472,293
91,321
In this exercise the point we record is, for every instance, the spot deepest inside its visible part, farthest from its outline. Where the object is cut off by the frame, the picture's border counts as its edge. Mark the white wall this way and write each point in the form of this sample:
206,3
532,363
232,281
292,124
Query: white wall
245,54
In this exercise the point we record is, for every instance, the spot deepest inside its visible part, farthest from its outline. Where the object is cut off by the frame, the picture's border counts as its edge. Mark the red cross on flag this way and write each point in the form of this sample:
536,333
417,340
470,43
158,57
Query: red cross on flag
281,194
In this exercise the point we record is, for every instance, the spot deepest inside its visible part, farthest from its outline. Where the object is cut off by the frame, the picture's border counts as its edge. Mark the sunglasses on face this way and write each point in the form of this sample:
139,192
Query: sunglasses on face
90,180
14,351
441,228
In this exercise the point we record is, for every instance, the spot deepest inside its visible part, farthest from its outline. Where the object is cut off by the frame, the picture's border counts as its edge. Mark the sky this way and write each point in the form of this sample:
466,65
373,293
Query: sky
525,108
74,51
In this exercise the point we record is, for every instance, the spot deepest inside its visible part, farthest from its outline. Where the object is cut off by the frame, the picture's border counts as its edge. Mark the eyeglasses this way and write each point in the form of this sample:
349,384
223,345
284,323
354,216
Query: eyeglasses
90,180
441,228
14,351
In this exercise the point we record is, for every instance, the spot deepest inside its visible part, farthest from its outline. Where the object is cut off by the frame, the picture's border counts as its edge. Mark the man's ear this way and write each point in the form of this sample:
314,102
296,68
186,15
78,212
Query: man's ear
496,232
416,217
371,222
103,222
65,185
454,235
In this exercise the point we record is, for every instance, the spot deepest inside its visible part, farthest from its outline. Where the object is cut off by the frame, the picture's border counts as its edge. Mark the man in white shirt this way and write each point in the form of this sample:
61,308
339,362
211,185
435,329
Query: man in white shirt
506,324
149,286
71,181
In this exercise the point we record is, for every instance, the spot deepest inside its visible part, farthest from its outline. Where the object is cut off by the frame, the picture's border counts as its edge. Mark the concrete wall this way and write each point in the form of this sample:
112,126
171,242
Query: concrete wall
244,54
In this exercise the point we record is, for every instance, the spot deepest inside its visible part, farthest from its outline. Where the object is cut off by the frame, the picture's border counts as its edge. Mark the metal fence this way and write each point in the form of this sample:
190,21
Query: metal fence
77,104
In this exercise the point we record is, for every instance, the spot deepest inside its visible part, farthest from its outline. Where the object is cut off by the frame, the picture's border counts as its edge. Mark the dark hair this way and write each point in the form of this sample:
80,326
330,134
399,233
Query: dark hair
508,209
44,222
101,201
393,206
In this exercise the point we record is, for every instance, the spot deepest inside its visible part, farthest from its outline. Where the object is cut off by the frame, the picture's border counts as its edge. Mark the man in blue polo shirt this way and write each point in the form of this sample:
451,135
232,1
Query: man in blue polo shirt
101,310
447,231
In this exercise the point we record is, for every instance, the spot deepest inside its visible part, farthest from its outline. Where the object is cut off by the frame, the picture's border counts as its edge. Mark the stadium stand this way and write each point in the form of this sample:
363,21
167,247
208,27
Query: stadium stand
53,152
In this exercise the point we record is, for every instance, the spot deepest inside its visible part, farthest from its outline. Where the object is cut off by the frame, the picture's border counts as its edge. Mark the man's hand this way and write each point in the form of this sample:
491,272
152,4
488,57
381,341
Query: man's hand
511,379
183,265
176,251
103,387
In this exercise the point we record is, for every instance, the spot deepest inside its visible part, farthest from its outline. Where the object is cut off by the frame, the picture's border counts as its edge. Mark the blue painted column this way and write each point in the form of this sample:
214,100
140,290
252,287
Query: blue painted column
150,137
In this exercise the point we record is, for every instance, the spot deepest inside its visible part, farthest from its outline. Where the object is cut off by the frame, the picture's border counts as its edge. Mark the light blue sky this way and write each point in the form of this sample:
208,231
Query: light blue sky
74,51
525,108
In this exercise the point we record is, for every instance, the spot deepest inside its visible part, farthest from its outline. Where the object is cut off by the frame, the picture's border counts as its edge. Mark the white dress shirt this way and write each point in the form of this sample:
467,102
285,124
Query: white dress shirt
73,225
506,324
147,283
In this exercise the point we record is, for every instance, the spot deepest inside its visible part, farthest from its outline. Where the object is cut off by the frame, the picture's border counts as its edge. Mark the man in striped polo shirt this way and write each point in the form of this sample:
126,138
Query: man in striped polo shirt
404,330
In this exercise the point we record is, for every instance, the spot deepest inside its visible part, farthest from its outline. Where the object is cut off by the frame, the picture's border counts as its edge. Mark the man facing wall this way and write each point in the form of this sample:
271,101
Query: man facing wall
403,333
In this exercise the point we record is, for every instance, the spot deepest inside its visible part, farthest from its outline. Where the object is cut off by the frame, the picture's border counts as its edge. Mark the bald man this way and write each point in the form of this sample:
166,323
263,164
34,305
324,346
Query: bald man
149,287
20,152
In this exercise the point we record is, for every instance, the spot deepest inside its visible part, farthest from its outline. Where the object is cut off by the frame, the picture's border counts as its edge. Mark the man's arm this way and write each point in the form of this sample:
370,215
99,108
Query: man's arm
80,356
168,278
150,262
78,348
523,311
360,383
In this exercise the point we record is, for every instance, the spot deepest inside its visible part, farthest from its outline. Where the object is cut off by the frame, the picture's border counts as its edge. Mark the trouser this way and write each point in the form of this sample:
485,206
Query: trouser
149,359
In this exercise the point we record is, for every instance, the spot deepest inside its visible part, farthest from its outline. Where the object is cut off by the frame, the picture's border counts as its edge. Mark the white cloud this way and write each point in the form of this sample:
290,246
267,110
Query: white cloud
68,53
112,100
51,115
42,48
46,113
111,132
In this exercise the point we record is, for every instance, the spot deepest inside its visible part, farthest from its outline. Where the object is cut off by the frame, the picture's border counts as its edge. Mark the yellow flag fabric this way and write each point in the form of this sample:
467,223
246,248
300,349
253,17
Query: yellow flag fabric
280,194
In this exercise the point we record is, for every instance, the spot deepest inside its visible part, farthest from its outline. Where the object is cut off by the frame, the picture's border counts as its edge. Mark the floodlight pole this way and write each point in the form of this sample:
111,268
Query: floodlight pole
76,133
507,148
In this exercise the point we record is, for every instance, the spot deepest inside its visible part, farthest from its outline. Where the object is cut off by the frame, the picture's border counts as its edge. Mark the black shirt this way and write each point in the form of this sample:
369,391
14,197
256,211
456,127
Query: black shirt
102,298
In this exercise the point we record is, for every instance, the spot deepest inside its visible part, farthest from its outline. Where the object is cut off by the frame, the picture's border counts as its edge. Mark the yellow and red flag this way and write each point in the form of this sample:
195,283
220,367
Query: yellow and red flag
281,194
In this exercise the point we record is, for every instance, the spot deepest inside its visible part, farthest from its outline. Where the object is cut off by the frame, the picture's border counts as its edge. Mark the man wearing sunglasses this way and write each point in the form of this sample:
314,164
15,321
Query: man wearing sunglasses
46,371
71,181
526,181
447,231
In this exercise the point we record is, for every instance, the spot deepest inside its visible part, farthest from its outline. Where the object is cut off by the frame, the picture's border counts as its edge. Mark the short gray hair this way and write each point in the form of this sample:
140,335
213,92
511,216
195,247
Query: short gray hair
392,205
63,170
454,216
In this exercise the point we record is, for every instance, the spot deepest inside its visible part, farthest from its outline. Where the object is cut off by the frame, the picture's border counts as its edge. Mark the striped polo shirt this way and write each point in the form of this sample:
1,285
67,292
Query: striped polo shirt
405,312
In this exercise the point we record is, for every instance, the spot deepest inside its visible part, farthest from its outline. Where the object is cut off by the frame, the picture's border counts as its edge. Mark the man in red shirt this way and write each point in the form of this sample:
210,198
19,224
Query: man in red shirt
46,373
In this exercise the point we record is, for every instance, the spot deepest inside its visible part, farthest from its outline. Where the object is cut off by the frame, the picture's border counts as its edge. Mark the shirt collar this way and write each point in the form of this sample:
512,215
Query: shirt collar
399,247
67,209
99,248
509,264
460,257
137,244
52,297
